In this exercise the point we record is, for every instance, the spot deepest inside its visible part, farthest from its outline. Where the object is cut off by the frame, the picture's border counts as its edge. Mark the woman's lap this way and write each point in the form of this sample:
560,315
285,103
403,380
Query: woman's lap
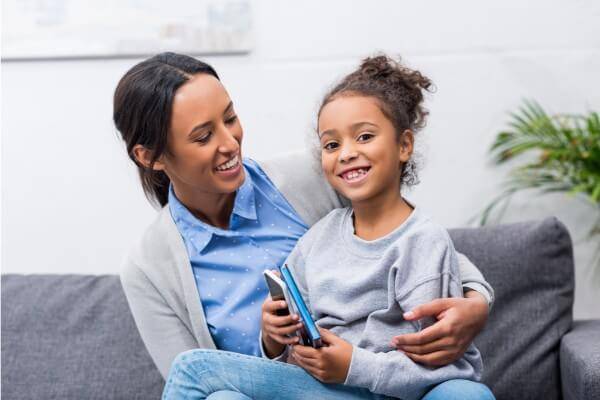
198,374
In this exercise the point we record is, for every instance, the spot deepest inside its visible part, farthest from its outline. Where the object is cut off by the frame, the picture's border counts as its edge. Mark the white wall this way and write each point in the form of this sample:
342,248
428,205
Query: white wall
71,202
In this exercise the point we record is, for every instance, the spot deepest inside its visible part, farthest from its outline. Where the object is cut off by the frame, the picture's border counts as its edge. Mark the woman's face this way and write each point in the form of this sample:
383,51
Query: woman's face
204,140
360,154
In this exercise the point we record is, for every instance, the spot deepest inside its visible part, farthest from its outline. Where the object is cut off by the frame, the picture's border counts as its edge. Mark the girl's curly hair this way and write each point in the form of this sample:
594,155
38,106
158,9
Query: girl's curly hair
399,92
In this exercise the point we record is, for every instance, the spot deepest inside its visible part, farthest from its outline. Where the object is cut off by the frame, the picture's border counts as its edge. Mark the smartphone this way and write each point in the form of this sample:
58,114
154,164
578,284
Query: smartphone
278,291
312,336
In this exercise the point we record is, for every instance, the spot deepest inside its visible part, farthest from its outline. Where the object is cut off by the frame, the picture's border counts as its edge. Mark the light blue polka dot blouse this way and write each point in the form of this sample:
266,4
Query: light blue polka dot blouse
228,264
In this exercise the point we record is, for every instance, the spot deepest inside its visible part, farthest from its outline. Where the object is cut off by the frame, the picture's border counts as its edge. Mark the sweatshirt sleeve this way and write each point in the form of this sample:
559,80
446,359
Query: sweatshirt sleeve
433,274
472,279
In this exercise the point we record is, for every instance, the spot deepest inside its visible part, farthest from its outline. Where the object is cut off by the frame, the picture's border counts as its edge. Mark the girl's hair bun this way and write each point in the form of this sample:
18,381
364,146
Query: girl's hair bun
398,88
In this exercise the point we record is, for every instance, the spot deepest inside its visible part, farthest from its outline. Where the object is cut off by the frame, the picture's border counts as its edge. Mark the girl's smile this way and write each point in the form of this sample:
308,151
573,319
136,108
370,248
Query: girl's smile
355,175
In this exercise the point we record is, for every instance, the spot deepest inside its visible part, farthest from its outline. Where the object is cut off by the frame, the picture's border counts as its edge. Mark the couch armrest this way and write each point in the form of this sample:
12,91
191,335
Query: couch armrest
580,361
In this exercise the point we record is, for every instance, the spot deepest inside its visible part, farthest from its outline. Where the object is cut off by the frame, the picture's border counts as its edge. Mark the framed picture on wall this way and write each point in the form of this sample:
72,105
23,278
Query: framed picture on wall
40,29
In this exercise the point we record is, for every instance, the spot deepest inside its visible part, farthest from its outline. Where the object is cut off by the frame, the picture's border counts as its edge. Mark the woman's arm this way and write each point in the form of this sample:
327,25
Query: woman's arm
458,321
163,332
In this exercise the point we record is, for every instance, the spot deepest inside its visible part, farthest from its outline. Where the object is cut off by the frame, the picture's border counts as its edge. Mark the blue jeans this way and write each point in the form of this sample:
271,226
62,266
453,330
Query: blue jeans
221,375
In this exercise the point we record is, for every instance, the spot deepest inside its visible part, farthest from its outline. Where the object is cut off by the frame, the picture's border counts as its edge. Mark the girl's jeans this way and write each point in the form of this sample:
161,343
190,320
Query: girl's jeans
221,375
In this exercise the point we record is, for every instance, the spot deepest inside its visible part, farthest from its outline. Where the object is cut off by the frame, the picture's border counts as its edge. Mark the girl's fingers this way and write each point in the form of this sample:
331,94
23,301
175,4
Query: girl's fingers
284,339
271,306
306,352
299,362
287,330
276,320
306,362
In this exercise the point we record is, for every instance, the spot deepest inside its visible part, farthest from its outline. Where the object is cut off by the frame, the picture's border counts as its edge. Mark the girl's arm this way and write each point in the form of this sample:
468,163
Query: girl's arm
472,279
162,331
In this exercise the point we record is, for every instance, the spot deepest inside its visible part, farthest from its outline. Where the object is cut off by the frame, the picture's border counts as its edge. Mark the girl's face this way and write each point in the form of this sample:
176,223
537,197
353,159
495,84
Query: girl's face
361,155
204,141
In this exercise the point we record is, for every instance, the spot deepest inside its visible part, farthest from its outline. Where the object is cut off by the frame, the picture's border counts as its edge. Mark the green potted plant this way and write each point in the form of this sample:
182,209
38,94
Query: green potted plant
557,153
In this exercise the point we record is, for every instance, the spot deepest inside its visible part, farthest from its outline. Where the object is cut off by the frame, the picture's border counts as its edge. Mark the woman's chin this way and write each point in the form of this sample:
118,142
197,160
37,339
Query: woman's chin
231,185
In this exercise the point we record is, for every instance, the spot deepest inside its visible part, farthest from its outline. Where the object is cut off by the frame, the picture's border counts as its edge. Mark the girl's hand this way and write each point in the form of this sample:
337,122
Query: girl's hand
329,364
459,320
275,327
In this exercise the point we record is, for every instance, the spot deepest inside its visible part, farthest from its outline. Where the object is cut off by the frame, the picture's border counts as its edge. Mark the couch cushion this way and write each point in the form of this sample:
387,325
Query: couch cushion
72,337
530,266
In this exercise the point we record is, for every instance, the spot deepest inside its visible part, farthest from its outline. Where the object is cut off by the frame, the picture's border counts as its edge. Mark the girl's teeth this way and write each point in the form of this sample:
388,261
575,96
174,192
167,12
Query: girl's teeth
355,174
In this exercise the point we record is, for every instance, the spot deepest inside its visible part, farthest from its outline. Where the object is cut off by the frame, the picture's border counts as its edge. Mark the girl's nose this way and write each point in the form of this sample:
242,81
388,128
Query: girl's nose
348,154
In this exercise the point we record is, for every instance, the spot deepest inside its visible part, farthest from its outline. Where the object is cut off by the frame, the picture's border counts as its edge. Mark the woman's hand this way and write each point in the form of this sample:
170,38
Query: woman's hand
275,327
330,363
459,320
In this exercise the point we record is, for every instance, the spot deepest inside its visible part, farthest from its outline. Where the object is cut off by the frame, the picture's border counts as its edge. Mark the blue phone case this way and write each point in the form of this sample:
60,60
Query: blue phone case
309,323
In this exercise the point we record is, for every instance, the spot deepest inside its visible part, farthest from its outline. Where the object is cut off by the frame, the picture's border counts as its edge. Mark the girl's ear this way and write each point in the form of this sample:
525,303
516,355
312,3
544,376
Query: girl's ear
144,157
407,140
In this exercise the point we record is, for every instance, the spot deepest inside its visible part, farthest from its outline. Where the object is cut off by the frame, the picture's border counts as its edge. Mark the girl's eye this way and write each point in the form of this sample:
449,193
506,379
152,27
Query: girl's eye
231,120
330,146
365,136
204,138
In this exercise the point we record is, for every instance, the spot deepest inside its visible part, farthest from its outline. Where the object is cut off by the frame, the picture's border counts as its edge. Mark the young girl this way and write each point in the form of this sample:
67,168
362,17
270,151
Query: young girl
360,269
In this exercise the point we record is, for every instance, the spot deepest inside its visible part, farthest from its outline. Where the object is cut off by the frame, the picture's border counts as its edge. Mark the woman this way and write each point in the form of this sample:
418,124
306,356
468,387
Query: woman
195,278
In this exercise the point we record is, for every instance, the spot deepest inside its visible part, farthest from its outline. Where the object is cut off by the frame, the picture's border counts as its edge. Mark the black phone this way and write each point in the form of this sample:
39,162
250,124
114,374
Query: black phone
278,291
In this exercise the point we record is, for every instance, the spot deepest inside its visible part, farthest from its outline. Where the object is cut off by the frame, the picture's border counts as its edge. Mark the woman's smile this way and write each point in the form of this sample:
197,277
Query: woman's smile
230,168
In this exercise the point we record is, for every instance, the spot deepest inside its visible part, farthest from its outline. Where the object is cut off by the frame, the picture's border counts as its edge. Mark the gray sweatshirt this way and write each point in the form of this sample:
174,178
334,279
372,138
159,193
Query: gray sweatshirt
359,290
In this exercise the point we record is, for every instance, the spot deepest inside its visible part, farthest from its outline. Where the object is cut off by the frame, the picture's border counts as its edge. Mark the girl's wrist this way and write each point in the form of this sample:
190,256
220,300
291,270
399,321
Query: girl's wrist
272,348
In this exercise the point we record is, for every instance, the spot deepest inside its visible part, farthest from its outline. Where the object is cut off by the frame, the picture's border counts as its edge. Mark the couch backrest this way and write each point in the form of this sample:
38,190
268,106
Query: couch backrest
530,266
73,337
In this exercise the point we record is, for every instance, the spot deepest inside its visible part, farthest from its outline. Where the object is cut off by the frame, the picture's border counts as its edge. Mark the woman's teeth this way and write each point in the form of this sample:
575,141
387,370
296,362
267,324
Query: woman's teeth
229,164
354,174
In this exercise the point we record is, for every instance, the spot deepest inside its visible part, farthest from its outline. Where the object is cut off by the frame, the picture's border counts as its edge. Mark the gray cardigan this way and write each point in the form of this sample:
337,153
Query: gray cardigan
158,280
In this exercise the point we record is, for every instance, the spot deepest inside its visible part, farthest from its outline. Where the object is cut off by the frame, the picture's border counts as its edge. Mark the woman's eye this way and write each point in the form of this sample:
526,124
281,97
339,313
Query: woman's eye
365,136
204,138
330,146
231,120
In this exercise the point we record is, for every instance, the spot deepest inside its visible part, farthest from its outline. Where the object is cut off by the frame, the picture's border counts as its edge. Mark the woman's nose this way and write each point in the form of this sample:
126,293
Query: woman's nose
229,142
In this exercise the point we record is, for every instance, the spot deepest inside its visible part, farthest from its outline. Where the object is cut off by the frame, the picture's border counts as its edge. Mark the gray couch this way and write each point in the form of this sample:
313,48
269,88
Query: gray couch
73,337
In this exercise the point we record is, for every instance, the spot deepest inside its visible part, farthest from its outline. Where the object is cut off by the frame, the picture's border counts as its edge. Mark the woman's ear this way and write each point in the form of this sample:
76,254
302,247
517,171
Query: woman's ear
144,156
407,140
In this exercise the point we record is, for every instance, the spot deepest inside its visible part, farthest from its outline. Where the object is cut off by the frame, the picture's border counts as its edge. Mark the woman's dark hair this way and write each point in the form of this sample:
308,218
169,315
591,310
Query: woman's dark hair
142,111
399,92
